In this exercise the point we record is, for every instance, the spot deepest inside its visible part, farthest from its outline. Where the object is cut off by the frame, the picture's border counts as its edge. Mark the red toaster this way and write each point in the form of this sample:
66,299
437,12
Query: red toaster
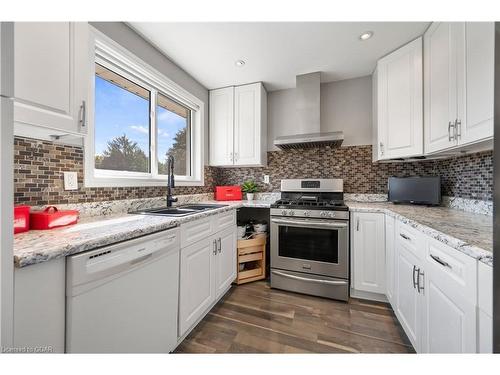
228,193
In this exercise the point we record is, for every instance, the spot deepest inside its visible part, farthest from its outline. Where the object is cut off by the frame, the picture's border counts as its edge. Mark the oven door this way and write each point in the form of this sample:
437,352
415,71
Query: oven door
310,245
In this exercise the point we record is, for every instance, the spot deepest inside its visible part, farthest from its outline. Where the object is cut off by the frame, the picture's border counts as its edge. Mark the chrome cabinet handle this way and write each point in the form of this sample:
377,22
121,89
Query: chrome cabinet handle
231,157
458,129
235,156
420,288
319,281
215,247
381,148
220,246
440,261
414,281
451,125
83,118
357,225
405,236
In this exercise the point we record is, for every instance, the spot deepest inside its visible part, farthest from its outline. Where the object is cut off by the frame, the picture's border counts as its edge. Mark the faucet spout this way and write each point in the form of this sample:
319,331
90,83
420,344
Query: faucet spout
170,181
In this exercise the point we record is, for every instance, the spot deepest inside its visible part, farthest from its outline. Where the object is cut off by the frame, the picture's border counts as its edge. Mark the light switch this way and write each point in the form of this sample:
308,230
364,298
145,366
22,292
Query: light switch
70,181
266,178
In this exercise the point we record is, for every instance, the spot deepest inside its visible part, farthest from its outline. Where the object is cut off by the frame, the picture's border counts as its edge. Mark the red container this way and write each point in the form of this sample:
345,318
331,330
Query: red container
21,219
228,193
51,217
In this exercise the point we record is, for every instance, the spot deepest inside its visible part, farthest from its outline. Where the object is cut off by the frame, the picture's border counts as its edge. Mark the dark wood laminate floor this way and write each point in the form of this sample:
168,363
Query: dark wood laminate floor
253,318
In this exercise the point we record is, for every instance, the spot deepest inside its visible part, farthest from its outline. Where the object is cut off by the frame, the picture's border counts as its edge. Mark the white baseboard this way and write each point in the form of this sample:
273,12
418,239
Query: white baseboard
368,295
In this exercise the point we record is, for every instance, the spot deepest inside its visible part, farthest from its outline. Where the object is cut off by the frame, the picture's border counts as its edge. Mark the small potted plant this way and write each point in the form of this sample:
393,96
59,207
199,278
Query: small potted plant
249,187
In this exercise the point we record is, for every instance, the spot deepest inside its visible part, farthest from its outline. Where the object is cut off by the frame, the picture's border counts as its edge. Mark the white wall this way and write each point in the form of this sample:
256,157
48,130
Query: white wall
345,105
128,38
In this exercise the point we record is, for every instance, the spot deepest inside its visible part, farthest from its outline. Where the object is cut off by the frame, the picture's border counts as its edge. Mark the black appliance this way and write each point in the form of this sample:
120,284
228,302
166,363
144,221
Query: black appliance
415,190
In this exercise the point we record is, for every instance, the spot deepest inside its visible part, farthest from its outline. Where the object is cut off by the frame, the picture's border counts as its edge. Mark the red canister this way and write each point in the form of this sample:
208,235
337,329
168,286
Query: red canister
21,219
228,193
51,217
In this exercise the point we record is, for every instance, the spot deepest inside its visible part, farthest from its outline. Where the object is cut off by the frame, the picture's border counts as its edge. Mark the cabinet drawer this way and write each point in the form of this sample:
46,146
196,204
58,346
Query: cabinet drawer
196,230
224,220
457,272
409,237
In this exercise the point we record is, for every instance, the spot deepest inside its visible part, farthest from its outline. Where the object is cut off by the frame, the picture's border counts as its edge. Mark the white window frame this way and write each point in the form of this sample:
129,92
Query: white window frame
113,56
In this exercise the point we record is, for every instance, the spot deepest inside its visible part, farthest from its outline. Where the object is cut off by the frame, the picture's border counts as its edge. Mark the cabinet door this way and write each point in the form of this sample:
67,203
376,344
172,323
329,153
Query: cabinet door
248,125
480,60
390,258
407,298
400,112
368,251
226,260
450,303
197,282
221,126
440,86
51,60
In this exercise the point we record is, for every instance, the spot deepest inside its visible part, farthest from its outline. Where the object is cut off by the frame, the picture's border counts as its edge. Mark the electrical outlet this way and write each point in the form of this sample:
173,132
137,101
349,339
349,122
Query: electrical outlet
70,181
266,178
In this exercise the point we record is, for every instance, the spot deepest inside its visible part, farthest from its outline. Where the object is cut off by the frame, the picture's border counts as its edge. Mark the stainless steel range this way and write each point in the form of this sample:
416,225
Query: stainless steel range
310,238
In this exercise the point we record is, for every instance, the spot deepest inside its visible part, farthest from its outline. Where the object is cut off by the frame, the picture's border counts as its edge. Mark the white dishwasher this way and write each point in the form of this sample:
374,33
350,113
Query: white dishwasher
123,298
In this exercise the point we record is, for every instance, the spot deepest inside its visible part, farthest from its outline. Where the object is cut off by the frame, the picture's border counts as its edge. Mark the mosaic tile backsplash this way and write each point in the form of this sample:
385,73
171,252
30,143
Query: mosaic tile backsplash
38,177
39,167
468,176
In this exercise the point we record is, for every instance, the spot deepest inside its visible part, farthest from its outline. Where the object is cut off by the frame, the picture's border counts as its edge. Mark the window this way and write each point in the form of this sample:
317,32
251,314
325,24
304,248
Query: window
138,119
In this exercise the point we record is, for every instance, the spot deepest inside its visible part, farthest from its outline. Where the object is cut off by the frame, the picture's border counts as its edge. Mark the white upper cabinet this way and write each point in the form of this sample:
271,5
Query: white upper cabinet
51,80
480,61
238,126
221,126
458,84
368,252
399,102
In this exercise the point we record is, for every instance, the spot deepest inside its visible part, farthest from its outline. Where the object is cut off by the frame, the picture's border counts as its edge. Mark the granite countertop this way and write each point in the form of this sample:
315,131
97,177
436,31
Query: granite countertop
467,232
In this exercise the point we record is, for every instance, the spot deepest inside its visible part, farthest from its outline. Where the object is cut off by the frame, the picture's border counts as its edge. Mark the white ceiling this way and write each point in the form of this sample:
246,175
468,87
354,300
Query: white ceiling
276,52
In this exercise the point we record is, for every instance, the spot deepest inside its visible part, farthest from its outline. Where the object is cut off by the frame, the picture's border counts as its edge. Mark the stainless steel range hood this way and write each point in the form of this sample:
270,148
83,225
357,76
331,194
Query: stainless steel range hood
308,108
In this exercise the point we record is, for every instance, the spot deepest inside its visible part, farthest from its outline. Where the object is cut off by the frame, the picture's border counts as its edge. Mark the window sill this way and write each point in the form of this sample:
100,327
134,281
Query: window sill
131,182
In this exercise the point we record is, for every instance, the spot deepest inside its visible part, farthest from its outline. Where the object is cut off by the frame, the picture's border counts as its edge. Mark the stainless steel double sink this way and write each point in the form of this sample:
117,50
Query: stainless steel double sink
184,210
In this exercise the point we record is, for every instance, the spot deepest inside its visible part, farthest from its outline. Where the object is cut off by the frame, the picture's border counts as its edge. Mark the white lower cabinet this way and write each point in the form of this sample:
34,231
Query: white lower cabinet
450,304
225,271
207,266
441,297
368,252
390,258
197,282
409,298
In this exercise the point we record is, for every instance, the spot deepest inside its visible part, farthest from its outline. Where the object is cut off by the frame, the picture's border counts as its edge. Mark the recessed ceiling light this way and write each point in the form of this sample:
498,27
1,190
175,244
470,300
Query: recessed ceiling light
366,35
239,63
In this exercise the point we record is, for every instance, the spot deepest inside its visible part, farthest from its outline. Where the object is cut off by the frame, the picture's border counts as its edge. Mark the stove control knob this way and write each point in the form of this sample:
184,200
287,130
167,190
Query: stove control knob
307,214
323,214
283,212
331,214
291,213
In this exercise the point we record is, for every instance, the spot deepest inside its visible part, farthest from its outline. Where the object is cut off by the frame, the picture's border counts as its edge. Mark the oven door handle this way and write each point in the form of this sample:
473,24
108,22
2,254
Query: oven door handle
319,281
311,223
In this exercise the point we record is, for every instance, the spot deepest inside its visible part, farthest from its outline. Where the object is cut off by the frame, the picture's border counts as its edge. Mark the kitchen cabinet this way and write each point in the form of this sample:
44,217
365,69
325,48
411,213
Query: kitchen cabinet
485,308
238,126
51,80
458,84
207,266
450,302
409,297
197,282
39,306
390,258
399,120
225,271
368,252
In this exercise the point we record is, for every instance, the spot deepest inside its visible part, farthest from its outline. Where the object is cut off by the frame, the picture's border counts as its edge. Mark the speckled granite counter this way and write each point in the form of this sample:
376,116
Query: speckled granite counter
469,233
